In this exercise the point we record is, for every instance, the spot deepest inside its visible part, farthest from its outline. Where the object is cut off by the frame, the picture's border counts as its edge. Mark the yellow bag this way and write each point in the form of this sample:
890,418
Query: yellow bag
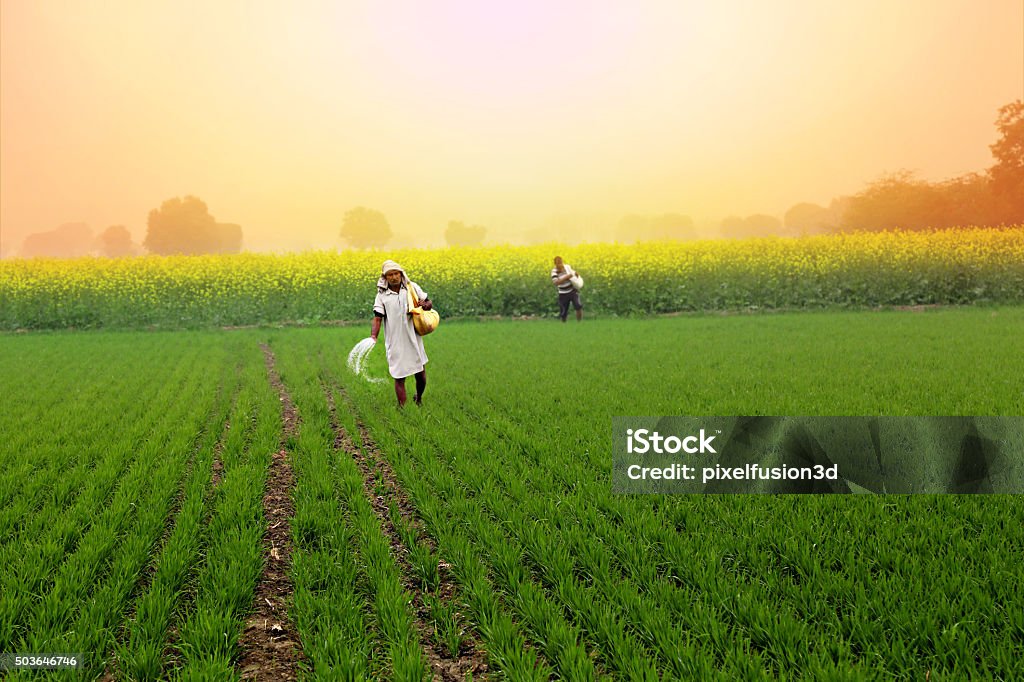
423,321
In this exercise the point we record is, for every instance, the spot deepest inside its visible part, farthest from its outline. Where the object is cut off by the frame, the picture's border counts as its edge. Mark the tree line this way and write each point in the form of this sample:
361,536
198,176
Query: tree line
895,201
179,226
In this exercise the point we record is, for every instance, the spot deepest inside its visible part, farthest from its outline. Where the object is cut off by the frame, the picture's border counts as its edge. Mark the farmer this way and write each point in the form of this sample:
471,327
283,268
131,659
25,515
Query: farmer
403,345
567,293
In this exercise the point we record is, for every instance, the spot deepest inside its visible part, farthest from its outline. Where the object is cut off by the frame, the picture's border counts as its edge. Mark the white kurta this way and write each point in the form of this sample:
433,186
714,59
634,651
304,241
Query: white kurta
404,347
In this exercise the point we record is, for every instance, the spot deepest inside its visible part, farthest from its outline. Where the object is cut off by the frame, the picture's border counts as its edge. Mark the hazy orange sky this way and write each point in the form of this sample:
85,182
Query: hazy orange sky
283,115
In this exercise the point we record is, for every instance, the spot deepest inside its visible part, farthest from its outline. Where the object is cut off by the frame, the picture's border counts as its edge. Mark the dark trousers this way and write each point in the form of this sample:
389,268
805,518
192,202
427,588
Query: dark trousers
565,299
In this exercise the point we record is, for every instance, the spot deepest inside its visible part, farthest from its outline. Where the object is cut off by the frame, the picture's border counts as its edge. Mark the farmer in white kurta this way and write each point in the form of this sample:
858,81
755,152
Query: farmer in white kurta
404,346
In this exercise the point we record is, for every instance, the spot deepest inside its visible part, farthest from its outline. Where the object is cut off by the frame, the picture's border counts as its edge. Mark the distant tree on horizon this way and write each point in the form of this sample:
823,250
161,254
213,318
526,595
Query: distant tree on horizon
69,240
903,201
115,242
896,200
1007,174
806,218
365,228
185,226
459,234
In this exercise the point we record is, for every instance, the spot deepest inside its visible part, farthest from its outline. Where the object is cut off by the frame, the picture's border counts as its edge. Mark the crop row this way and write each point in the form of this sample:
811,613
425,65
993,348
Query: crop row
228,557
892,268
351,608
117,543
78,552
51,470
780,590
138,470
142,646
683,587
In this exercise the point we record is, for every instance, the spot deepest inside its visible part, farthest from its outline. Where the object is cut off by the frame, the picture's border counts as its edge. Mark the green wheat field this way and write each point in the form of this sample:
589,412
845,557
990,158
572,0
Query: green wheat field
477,536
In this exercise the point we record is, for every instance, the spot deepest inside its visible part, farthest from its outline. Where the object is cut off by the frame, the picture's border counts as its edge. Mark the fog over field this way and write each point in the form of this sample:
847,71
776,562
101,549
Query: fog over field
532,121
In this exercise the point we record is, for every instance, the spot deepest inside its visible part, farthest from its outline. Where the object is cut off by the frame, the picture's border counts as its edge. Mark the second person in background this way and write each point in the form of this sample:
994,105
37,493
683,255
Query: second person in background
561,276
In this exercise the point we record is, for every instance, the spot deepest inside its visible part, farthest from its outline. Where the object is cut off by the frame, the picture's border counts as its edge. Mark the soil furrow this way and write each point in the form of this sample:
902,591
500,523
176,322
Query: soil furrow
269,647
471,660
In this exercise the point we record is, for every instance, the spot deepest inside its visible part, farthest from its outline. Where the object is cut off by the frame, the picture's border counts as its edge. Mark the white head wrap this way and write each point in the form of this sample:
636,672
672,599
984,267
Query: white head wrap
388,266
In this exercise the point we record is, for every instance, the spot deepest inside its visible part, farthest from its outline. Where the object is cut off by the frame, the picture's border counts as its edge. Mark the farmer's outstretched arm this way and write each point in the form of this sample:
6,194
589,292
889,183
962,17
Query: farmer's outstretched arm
375,327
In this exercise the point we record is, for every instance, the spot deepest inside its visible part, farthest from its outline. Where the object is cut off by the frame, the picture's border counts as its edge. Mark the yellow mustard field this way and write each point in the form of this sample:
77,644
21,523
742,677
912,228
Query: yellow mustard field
864,269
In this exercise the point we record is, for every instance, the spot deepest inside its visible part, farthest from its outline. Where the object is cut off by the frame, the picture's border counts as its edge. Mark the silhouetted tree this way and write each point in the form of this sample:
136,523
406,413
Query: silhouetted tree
1008,172
116,241
185,226
1008,150
900,200
67,241
459,234
365,228
894,201
968,200
807,218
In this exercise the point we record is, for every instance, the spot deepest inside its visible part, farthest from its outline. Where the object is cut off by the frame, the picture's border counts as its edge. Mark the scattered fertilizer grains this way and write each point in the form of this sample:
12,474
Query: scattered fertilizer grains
357,359
481,526
853,270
